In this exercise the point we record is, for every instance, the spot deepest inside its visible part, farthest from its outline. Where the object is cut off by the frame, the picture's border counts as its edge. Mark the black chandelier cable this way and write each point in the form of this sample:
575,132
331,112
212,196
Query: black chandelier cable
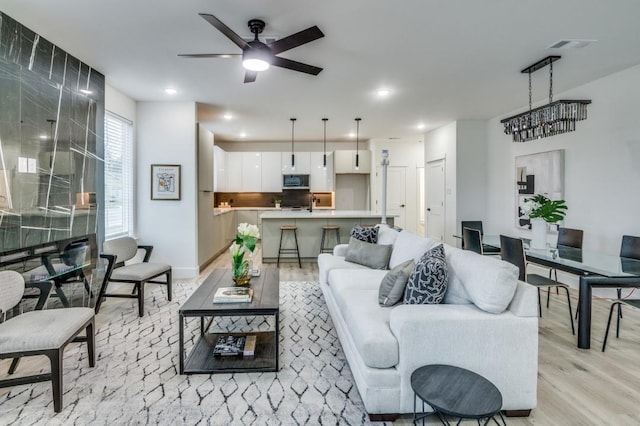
293,157
357,142
324,157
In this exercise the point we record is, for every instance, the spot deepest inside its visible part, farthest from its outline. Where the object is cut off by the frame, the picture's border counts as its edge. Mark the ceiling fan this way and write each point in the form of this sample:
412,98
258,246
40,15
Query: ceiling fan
258,56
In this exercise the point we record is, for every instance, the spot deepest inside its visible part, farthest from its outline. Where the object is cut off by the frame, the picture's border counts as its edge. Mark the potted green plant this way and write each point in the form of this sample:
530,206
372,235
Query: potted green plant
541,211
277,202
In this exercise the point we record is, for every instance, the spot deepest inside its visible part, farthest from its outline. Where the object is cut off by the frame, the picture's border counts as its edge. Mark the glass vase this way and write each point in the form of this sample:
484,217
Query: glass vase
240,273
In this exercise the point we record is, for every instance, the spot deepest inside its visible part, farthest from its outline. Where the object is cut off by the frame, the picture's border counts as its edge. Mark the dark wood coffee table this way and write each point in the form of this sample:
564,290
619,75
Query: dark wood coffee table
456,392
266,301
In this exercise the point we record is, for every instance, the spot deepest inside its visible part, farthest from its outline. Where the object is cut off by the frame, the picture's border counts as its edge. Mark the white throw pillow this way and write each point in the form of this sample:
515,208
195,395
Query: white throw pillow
409,246
490,283
386,234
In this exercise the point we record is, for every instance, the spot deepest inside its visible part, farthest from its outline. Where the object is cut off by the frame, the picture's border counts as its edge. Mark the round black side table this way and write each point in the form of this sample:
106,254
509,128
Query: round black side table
456,392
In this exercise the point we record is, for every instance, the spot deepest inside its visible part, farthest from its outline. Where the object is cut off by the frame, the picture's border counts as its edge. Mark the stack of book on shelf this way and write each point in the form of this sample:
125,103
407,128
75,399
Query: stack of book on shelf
233,295
230,345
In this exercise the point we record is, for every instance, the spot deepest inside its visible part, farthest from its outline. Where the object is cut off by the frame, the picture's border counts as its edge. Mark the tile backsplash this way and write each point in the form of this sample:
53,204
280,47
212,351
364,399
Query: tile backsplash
290,198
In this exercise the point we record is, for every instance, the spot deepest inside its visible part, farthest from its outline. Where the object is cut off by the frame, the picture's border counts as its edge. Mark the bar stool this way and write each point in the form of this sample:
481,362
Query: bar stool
327,230
295,251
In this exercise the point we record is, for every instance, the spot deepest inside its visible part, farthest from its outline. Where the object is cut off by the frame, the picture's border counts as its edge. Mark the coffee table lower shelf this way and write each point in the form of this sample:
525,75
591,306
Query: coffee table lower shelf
201,360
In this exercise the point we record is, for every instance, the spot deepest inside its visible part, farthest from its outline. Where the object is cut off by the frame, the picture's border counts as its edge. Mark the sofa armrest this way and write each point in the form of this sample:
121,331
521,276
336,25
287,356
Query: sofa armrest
501,347
340,250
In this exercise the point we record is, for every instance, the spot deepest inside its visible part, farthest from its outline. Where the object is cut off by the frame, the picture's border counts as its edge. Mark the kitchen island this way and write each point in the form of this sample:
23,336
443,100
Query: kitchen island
310,229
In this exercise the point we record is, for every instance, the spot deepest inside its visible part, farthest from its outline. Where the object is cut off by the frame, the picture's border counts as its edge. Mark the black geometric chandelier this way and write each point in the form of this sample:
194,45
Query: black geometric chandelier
548,120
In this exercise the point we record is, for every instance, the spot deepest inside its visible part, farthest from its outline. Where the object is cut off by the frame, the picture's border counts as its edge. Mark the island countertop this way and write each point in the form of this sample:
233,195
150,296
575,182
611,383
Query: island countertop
309,230
321,214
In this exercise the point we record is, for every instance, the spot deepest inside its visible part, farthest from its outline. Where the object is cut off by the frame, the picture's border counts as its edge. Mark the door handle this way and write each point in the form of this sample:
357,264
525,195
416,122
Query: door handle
428,210
401,205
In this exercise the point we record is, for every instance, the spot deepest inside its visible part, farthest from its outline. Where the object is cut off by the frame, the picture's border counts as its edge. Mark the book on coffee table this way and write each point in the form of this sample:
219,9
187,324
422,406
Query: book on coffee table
229,345
233,295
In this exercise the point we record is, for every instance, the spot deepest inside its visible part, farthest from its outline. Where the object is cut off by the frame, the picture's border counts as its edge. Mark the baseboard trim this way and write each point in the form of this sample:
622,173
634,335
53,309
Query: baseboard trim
384,417
517,413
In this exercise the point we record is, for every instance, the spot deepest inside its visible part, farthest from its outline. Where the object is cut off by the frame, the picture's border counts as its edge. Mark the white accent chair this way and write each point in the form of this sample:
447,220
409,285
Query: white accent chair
44,332
117,252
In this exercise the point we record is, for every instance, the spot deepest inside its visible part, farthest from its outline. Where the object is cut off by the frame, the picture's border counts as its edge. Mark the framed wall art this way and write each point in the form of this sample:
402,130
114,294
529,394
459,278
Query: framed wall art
541,173
165,182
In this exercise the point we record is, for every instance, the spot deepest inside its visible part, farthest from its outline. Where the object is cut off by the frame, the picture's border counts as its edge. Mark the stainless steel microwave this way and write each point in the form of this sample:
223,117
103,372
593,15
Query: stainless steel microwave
295,181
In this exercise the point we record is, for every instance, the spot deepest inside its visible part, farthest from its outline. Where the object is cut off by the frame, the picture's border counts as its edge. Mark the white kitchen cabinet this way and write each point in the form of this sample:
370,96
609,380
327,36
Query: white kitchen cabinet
321,179
234,172
271,172
302,163
345,161
219,169
205,160
251,171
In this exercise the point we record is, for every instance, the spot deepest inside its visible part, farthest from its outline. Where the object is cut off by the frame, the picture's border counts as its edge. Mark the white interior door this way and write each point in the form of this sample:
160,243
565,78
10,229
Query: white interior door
435,200
396,194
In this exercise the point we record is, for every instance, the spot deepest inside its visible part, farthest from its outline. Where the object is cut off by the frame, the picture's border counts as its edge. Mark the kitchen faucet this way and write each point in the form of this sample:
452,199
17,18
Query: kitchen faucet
311,200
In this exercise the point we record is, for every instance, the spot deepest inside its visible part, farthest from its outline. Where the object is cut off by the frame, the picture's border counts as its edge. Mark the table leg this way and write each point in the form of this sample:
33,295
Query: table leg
584,317
181,342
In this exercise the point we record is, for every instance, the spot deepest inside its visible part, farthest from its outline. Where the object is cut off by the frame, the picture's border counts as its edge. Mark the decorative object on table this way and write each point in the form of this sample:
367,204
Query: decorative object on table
277,203
229,345
541,211
540,173
246,239
165,182
233,295
548,120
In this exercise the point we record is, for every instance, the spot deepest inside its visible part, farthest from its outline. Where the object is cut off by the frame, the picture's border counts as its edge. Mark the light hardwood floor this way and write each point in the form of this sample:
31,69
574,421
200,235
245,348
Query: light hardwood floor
575,386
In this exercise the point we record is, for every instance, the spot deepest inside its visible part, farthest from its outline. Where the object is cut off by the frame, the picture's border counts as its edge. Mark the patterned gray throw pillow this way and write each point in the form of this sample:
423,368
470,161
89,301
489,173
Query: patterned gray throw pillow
428,281
368,235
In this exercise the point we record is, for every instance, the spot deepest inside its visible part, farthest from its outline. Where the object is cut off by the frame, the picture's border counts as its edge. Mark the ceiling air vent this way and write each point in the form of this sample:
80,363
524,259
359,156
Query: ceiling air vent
571,44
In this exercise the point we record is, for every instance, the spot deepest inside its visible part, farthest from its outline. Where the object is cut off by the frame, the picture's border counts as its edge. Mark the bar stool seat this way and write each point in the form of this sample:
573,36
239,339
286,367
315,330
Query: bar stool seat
326,231
281,250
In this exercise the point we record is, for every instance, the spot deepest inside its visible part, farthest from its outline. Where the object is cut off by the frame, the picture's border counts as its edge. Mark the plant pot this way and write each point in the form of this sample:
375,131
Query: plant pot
539,233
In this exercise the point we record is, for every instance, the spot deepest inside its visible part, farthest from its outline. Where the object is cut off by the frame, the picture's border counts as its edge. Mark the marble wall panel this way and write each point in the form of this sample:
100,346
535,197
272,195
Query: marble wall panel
51,140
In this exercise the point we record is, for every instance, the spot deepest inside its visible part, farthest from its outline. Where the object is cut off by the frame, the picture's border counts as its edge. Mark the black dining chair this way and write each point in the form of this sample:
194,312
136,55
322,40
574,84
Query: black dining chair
477,224
512,251
568,239
629,251
471,240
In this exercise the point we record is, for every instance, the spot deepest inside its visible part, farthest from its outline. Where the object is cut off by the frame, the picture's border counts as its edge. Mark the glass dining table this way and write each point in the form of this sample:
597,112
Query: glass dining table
596,269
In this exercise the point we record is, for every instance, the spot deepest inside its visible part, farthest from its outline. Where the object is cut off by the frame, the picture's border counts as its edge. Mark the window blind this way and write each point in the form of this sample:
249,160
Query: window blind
118,176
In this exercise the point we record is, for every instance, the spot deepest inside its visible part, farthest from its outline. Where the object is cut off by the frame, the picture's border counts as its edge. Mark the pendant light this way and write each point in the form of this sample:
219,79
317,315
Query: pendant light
357,143
293,156
324,157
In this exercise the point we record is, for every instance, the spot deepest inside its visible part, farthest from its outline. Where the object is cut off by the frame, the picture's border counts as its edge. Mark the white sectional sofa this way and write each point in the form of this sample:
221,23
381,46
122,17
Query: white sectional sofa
488,323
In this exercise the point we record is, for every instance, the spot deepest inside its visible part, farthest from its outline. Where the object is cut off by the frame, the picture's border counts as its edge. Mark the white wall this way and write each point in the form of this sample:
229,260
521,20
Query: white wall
408,153
167,135
602,164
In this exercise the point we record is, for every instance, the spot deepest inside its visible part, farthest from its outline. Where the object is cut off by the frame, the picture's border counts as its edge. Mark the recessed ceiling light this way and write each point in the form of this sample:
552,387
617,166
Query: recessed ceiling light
170,91
382,92
227,116
420,126
243,135
352,135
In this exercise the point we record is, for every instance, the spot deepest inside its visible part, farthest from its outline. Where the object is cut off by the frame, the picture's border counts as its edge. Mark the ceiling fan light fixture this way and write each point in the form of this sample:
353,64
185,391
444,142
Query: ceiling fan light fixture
254,64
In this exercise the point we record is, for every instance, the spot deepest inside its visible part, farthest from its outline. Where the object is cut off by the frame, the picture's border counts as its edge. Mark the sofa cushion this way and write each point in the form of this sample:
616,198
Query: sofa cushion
328,262
409,246
374,256
428,281
368,234
367,321
489,283
386,234
392,286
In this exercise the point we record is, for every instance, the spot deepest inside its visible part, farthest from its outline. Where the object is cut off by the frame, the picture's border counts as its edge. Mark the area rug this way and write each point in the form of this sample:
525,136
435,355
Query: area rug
136,381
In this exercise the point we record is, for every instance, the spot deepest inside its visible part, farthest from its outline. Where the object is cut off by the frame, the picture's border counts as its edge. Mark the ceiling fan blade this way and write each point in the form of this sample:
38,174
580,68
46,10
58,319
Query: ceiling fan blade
228,32
209,55
295,40
250,76
295,66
